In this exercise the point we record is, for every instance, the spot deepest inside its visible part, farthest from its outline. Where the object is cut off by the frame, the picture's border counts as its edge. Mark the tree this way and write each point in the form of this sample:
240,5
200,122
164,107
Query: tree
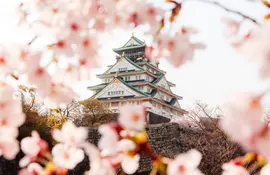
95,113
212,142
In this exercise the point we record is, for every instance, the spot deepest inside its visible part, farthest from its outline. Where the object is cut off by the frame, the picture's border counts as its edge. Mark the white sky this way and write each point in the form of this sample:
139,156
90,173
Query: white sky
212,74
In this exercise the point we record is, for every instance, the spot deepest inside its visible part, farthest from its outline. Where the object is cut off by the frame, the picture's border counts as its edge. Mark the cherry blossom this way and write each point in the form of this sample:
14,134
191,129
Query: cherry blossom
67,157
185,164
9,147
60,94
32,147
132,117
99,165
129,157
32,169
232,27
11,114
265,170
70,134
109,140
242,120
257,38
232,169
176,49
8,132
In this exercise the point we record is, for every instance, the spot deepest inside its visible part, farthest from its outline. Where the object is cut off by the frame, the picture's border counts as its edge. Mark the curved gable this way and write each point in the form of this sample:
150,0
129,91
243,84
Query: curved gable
123,64
118,88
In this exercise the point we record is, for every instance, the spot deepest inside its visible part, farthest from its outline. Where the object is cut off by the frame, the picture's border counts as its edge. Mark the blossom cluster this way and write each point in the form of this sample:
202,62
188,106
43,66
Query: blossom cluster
72,31
11,117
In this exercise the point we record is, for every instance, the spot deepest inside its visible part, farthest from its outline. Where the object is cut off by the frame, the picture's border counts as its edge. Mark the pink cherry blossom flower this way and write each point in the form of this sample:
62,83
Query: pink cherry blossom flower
9,147
232,169
11,114
232,27
32,169
109,140
176,49
32,147
129,161
130,164
61,94
8,132
185,164
132,117
255,47
66,156
265,170
102,167
256,38
242,120
70,134
41,78
99,165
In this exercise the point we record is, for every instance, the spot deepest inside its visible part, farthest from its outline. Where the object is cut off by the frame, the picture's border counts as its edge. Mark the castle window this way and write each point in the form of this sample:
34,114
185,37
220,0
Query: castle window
127,78
116,93
138,77
122,69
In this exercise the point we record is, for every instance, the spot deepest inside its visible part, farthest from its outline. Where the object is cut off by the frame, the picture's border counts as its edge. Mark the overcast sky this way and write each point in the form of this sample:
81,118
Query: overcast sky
214,72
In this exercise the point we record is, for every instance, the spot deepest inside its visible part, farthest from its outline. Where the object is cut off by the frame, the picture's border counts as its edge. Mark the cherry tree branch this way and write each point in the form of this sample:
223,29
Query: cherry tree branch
226,9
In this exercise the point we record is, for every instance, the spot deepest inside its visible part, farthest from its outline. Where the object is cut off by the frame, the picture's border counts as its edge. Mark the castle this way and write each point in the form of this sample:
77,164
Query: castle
135,79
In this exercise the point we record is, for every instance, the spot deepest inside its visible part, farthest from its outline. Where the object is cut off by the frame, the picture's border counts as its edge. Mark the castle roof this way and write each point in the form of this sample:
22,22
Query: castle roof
132,43
121,59
120,80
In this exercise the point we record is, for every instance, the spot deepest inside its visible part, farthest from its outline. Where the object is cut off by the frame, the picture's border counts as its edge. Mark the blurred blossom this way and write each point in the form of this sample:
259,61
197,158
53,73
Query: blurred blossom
243,121
129,157
109,140
66,156
231,27
71,135
232,169
33,147
177,49
265,170
32,169
185,164
132,117
9,147
255,47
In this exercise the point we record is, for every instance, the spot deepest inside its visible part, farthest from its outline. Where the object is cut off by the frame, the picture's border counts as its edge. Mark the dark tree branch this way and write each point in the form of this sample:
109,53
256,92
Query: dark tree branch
226,9
33,40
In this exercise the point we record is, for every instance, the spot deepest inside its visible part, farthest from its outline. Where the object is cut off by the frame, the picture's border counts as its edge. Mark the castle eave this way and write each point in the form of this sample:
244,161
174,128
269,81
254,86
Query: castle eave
121,49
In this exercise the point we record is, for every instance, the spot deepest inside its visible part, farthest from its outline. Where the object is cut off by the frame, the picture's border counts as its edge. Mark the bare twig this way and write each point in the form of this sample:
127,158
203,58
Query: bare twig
33,39
226,9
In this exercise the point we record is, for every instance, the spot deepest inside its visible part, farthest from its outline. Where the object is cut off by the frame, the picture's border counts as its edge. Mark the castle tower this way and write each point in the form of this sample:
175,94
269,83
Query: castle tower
133,79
